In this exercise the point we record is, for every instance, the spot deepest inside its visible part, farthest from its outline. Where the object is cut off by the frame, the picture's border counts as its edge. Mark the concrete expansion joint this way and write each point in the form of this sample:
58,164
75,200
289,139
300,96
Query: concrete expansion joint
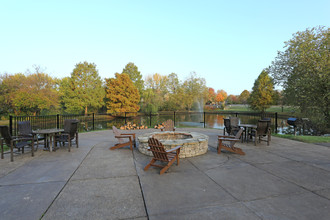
140,185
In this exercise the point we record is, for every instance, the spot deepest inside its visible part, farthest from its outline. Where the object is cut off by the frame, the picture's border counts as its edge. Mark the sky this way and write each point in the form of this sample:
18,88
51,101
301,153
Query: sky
228,43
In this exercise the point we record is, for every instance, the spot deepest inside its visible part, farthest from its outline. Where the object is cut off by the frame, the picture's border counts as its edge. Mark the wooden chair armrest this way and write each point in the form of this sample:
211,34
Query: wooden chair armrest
133,134
229,139
22,138
174,149
226,136
124,136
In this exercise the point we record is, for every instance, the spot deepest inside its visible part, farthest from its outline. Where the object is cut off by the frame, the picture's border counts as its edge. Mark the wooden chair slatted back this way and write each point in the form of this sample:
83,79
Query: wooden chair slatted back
117,133
169,125
226,122
158,149
24,128
234,121
71,127
262,127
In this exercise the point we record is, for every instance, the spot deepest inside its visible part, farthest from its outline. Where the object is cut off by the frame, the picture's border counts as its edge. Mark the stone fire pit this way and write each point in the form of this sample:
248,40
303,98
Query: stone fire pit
192,143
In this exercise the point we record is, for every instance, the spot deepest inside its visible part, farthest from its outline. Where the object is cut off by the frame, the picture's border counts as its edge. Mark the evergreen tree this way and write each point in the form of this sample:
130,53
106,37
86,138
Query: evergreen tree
261,96
134,74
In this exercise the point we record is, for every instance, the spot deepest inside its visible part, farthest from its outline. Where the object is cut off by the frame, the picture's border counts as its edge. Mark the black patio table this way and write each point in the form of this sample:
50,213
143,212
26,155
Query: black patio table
246,127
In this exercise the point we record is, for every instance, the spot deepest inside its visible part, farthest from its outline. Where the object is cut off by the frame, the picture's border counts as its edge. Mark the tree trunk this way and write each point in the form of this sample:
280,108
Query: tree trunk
86,110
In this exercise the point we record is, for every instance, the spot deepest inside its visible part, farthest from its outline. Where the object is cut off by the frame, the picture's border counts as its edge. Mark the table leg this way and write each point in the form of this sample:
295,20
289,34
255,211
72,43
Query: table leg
50,143
54,142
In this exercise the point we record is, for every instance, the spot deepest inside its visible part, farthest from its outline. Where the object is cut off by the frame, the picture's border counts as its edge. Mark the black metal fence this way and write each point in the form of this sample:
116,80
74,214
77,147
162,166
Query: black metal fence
93,121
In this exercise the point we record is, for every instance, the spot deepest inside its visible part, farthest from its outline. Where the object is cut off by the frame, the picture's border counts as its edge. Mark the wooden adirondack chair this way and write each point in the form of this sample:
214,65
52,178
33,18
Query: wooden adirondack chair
121,139
231,142
160,154
168,126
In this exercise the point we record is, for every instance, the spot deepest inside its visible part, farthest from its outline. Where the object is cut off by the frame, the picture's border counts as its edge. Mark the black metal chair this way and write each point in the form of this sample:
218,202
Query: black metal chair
231,126
14,142
70,132
25,130
226,122
234,121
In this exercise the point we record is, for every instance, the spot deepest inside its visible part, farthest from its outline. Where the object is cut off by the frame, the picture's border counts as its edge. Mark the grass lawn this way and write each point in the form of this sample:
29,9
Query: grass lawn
307,139
245,108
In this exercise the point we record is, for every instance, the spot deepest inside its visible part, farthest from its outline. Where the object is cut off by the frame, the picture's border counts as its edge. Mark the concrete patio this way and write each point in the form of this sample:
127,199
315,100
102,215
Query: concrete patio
286,180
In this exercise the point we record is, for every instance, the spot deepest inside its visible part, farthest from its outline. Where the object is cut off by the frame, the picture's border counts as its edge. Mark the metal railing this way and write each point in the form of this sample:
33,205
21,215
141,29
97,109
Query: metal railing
94,121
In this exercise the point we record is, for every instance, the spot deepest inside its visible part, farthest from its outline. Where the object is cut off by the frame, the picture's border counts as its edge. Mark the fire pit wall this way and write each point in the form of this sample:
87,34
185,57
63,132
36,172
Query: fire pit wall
193,143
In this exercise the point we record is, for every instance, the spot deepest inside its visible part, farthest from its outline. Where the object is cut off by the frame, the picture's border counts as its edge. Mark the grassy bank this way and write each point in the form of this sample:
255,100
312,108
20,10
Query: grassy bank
306,139
245,108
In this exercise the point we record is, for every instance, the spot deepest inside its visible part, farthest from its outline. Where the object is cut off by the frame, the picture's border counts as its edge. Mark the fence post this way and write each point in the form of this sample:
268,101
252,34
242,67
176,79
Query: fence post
174,118
58,121
236,114
275,122
204,119
93,121
150,119
11,125
125,118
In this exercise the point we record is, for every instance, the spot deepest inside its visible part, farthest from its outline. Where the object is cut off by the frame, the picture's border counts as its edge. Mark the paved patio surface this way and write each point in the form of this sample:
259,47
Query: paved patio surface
286,180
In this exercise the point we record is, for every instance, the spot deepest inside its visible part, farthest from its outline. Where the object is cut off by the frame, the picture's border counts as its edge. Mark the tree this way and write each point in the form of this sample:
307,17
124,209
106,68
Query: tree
29,94
83,89
195,91
221,96
134,74
302,69
232,99
261,96
37,93
121,94
243,97
211,95
157,86
9,85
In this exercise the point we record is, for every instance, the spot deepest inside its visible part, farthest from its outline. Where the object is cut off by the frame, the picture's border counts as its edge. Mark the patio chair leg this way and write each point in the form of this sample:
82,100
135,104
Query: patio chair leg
32,149
12,151
1,142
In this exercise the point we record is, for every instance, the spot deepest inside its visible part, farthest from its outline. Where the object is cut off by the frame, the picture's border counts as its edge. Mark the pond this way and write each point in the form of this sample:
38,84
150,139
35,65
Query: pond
188,120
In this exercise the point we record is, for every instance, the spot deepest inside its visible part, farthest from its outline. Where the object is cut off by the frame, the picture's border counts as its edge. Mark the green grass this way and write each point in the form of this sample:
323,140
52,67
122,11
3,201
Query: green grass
306,139
245,108
5,148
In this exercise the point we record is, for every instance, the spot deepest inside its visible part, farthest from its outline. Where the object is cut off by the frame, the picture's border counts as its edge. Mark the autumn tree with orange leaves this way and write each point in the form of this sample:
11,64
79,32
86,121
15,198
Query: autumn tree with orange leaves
221,96
121,94
211,95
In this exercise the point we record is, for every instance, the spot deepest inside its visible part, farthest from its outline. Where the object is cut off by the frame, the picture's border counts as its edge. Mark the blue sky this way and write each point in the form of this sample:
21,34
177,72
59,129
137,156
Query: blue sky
228,43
